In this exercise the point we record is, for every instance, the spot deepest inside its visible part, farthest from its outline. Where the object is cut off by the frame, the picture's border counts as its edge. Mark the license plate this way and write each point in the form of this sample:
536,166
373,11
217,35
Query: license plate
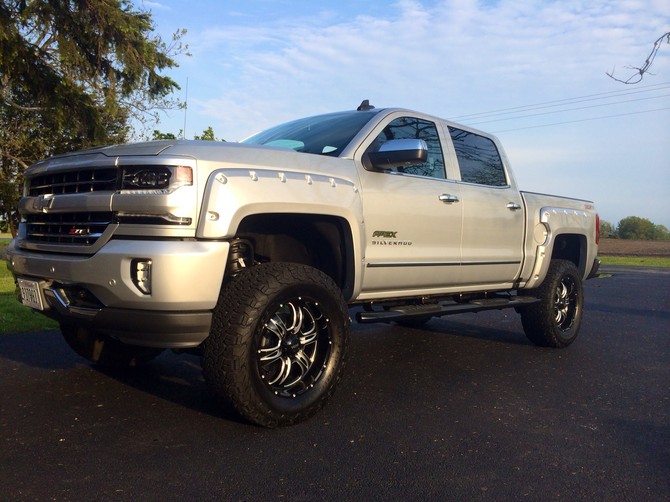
30,294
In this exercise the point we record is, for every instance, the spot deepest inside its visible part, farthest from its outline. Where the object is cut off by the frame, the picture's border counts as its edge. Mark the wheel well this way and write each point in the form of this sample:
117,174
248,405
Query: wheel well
320,241
571,247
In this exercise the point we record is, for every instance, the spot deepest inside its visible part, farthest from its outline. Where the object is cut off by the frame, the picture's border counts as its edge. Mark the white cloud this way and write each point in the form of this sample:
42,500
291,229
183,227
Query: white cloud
449,57
455,53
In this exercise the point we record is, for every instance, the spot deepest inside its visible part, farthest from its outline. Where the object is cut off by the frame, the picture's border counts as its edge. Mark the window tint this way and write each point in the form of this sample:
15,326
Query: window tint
478,158
413,128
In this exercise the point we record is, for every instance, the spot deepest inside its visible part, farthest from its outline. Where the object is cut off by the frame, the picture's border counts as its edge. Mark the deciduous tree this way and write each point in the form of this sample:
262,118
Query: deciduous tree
207,135
606,229
634,227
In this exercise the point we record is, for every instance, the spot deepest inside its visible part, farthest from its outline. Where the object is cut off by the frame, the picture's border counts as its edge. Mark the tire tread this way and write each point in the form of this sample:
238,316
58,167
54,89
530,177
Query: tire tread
538,319
226,350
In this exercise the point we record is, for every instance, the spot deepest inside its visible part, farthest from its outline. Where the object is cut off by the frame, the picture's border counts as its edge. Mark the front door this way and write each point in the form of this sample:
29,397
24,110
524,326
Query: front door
412,221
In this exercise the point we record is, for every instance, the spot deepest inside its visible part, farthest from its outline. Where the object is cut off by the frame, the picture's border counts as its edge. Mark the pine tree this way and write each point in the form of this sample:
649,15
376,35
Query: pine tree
73,73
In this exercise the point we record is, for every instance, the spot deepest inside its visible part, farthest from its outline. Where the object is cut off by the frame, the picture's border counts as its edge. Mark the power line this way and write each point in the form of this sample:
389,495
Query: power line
569,109
584,120
563,102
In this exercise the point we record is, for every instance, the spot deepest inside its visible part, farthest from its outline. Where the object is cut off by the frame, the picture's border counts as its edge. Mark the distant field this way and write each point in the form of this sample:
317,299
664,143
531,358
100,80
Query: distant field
620,247
634,253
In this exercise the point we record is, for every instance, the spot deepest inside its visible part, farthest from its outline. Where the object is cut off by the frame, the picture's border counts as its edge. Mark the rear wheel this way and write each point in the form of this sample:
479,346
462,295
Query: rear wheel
277,346
104,350
556,319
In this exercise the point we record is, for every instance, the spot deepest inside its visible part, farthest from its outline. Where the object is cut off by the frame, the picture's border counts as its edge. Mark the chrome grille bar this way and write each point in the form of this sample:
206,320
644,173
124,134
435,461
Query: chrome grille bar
69,228
80,181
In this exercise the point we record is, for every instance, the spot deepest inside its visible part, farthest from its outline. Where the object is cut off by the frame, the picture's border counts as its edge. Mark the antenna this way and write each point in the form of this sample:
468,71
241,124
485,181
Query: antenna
183,132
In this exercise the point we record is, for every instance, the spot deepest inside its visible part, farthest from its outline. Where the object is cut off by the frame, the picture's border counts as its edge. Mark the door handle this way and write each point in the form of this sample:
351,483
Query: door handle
448,198
513,206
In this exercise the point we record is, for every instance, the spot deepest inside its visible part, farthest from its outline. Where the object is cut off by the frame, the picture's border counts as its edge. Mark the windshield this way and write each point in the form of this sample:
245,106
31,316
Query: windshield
323,134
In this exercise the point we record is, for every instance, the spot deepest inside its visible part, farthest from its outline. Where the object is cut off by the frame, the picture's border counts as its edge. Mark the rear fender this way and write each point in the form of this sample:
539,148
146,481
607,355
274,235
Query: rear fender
566,234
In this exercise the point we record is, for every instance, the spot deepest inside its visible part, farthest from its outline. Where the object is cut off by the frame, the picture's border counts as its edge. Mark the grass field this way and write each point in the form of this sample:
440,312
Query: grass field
636,261
15,318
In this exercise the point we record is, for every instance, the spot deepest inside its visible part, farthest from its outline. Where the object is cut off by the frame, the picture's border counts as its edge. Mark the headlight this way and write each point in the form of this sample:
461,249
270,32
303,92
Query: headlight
155,179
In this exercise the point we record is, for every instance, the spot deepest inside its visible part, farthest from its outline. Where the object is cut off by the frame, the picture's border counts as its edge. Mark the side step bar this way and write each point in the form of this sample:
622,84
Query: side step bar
402,312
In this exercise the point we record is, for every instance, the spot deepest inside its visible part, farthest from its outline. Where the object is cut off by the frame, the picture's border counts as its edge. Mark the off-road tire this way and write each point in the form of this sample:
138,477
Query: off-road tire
104,350
556,319
277,345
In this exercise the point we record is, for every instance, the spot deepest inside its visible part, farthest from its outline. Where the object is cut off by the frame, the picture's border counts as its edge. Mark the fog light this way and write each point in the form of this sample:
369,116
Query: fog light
140,271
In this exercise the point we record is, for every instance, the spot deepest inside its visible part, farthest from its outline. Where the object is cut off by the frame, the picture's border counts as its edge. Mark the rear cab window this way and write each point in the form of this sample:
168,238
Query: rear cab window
478,159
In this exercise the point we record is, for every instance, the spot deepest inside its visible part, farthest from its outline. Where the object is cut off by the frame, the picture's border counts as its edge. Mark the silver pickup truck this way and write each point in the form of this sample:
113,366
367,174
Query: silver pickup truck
253,253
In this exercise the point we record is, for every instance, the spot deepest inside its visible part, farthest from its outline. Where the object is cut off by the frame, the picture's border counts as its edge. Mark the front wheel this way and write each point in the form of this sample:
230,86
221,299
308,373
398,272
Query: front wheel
555,320
277,346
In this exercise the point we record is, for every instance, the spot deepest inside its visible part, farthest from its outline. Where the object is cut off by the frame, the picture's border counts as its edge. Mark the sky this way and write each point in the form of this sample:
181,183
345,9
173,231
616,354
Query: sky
532,72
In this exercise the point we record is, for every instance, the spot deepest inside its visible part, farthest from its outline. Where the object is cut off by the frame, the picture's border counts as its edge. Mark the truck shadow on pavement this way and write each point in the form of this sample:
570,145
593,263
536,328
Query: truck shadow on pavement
38,349
176,378
497,328
383,353
170,377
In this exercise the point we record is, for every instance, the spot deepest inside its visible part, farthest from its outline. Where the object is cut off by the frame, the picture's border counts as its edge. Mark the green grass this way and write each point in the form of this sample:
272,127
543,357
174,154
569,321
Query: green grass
14,317
636,261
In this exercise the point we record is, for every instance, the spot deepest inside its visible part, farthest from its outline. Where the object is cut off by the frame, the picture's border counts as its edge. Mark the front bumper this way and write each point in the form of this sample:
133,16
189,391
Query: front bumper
98,291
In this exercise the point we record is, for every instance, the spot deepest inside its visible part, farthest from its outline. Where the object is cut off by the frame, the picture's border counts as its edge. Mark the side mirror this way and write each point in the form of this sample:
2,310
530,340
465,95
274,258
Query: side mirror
398,153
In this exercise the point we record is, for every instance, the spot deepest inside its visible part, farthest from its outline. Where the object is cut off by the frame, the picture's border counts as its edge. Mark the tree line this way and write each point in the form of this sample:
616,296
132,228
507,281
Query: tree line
207,135
634,228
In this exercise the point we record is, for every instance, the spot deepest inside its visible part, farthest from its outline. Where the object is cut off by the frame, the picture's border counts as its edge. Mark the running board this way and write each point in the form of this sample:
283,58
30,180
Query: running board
403,312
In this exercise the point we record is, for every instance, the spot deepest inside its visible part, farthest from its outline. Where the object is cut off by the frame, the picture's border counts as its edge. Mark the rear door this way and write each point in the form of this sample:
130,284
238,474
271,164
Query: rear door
493,215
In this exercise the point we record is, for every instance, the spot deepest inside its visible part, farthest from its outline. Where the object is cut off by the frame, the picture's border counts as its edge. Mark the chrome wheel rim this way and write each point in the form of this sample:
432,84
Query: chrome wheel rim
294,346
565,304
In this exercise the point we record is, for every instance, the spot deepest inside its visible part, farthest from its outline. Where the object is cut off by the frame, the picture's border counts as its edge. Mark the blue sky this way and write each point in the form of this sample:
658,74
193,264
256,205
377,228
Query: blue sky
567,128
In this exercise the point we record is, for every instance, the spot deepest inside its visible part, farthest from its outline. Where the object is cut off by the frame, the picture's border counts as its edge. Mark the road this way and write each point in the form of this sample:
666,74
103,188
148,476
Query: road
465,409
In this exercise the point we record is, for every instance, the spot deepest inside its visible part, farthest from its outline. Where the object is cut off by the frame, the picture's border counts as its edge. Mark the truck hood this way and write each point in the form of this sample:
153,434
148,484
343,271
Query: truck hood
147,148
222,153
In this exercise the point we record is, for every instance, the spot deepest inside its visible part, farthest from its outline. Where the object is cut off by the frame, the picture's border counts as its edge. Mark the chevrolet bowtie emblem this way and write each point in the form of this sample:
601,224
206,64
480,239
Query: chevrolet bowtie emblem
43,202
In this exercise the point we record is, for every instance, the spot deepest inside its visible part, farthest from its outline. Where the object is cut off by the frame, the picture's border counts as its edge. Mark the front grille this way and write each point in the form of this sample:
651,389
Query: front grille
79,181
82,229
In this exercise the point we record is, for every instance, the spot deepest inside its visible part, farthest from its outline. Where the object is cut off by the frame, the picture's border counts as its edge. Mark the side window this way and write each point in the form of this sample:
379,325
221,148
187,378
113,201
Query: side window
414,128
478,158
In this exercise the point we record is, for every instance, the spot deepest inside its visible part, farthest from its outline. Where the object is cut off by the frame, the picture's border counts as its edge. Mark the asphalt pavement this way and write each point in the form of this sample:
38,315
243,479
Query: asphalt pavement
465,409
